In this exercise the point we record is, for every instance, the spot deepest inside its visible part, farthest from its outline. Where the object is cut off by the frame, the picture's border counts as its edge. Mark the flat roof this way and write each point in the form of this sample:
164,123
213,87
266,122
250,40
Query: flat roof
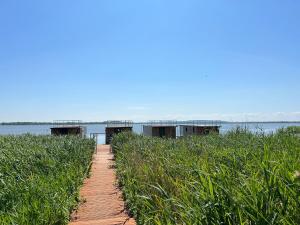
66,127
189,125
119,123
119,127
160,125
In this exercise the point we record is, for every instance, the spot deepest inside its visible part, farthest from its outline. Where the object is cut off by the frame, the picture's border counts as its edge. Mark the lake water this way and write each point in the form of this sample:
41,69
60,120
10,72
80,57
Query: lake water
138,128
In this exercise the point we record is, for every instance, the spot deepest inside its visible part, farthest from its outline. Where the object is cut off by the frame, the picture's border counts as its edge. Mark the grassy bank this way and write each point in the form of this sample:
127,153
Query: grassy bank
40,177
237,178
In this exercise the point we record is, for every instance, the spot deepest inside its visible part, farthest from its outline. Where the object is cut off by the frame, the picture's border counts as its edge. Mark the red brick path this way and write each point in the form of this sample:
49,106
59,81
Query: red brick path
103,202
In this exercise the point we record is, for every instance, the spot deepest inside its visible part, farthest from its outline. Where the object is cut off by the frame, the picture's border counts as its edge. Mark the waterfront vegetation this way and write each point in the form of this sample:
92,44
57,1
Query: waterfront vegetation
293,129
40,177
235,178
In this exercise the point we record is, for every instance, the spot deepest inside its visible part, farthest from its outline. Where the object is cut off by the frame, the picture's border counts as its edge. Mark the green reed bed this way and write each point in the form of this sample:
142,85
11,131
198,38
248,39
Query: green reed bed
294,129
40,177
236,178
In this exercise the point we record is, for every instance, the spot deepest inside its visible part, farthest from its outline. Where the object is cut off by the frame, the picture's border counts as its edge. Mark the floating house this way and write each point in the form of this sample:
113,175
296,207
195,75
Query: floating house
167,131
116,127
68,127
186,130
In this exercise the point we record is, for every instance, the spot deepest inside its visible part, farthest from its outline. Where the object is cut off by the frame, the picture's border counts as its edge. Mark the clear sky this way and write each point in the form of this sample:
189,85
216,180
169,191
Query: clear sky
158,59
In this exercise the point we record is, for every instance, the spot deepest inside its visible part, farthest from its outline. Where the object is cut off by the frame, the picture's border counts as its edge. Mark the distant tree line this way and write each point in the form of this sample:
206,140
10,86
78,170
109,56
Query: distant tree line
42,123
105,122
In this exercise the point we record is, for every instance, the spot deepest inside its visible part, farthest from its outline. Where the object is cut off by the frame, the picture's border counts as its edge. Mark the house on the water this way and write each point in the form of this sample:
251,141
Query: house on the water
68,127
187,130
115,127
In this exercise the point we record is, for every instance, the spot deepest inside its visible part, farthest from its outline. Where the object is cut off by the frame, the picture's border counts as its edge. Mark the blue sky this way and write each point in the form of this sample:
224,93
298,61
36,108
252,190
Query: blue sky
96,60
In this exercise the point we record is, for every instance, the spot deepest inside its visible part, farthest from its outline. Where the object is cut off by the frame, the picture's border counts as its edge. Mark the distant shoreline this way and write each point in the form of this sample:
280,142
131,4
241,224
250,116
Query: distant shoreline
100,123
44,123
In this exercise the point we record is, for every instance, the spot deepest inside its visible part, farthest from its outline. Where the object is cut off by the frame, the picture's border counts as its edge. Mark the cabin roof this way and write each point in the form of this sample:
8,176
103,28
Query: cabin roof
66,127
160,125
118,127
190,125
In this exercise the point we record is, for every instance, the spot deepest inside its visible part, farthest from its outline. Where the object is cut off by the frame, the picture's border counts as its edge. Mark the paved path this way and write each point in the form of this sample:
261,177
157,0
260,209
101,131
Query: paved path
103,201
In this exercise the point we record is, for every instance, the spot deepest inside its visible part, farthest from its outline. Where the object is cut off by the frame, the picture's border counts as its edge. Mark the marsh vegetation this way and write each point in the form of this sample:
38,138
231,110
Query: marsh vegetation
40,177
235,178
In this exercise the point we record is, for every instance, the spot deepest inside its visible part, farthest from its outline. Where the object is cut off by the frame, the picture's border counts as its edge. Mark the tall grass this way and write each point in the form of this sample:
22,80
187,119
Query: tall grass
40,177
236,178
293,129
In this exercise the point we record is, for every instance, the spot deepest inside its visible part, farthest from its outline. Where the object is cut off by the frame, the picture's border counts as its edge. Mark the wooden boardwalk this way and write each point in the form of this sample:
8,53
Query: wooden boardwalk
103,203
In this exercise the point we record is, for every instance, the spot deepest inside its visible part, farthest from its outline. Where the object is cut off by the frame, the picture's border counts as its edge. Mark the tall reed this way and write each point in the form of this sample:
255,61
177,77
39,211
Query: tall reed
40,177
236,178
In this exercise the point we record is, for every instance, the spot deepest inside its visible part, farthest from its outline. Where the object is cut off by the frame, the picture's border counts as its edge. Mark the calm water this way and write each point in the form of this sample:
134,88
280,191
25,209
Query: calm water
100,128
45,129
